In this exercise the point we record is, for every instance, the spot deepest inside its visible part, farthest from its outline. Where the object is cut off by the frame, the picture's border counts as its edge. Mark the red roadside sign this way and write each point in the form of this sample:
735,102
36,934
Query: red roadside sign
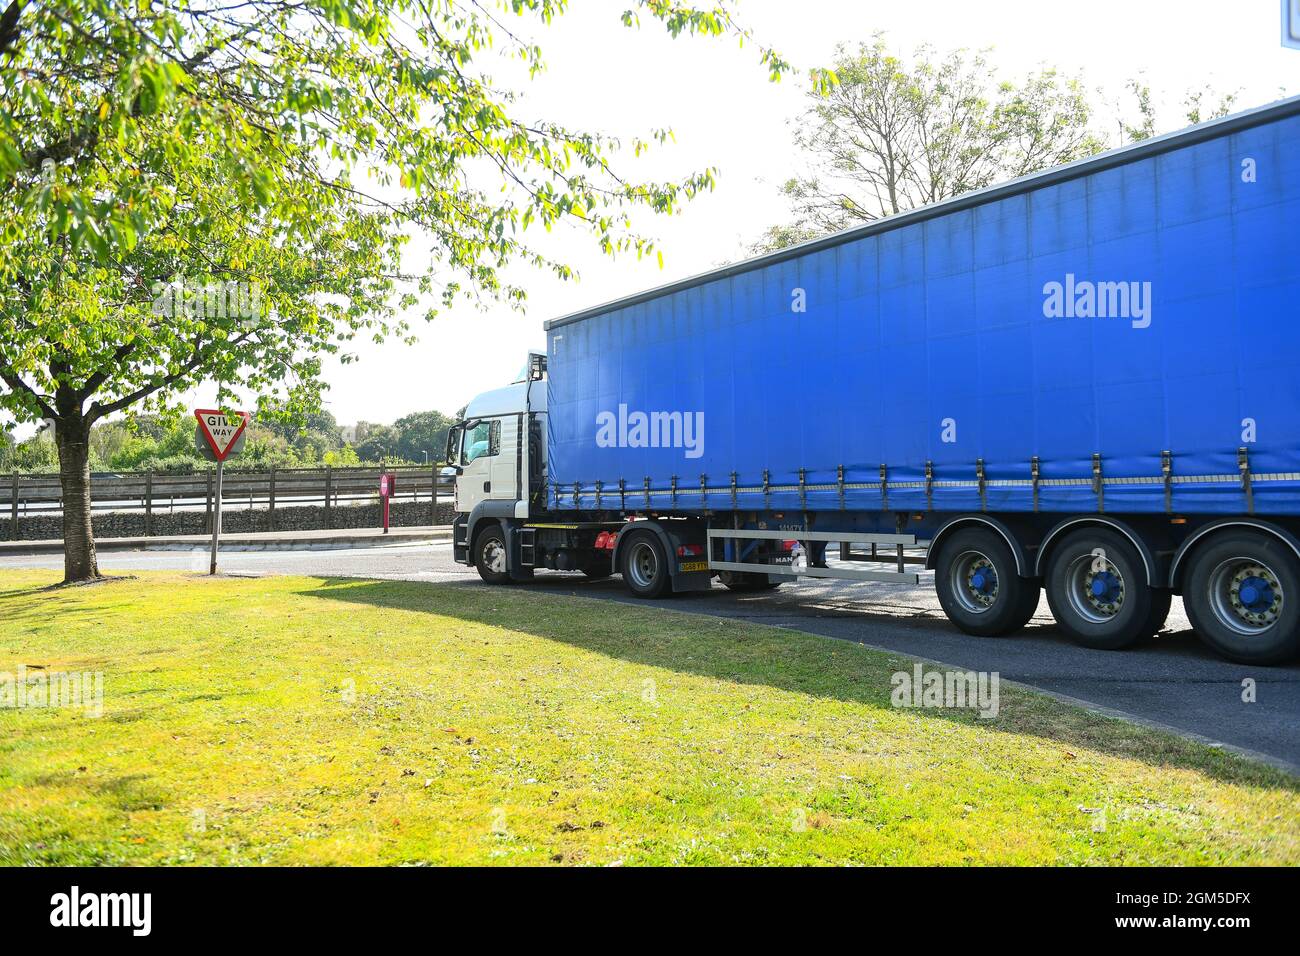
221,430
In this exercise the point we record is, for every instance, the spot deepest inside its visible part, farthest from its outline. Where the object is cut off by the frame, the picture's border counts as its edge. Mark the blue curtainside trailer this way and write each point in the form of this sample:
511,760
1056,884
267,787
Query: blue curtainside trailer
1085,380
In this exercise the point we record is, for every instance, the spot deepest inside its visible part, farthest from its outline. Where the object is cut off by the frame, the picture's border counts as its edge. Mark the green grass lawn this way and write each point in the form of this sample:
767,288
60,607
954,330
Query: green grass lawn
303,721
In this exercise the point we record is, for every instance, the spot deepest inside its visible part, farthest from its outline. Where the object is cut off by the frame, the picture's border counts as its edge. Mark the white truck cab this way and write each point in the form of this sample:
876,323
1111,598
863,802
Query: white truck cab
499,450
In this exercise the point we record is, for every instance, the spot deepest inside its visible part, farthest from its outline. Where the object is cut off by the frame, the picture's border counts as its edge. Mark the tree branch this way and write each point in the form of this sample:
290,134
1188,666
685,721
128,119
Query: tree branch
98,411
16,384
9,26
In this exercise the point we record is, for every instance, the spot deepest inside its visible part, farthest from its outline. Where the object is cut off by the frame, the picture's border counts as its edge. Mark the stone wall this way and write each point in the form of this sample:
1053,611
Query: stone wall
129,524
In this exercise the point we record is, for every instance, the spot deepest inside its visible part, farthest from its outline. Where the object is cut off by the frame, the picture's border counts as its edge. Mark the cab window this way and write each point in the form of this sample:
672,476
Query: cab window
482,441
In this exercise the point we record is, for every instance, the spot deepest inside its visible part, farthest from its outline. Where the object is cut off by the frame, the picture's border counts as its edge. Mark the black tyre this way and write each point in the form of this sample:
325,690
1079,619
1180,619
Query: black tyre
1097,588
1242,594
1161,600
979,589
644,566
490,555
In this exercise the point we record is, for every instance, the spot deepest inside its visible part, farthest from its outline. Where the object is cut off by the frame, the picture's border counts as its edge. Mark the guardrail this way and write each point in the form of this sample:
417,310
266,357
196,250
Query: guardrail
151,493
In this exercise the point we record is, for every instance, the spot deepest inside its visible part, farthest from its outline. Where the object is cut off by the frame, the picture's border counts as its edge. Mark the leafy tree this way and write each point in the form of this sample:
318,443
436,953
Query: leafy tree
422,432
36,454
310,439
895,134
220,190
1141,120
344,457
380,442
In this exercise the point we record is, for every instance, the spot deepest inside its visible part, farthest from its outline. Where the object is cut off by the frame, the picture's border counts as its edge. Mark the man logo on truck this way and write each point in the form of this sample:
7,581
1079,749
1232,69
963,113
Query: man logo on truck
651,430
1073,299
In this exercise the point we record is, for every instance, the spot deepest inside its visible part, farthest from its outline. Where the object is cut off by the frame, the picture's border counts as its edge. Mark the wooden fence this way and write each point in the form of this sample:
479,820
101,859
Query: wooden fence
30,495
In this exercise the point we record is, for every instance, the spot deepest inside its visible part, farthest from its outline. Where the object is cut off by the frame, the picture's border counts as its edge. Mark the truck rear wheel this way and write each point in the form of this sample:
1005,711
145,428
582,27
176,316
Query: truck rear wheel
1242,595
644,566
978,587
1098,591
490,555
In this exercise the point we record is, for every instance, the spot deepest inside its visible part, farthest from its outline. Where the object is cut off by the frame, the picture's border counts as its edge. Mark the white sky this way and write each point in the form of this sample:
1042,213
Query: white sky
725,113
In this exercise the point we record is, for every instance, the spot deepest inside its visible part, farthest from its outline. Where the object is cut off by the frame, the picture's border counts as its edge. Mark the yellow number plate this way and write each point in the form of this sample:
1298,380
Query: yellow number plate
695,565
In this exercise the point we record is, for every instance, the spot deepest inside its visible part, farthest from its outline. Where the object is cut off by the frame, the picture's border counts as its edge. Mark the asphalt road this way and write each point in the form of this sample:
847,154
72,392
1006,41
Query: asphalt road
1173,681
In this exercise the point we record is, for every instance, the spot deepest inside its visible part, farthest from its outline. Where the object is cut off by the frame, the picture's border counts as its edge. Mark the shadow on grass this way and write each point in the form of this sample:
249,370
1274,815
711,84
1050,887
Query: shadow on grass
790,665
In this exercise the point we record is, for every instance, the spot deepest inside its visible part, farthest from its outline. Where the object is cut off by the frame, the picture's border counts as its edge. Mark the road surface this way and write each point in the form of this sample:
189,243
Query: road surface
1173,681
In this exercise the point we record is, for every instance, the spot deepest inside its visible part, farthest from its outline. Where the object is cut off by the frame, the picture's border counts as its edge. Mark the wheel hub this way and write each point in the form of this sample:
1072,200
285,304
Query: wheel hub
495,557
1255,595
1105,590
1096,588
644,565
982,581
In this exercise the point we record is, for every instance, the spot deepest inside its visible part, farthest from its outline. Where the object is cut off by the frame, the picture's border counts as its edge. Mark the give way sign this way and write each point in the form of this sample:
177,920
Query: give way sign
221,430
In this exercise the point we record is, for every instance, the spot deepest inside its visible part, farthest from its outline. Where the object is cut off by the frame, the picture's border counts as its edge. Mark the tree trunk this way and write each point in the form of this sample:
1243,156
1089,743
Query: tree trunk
72,434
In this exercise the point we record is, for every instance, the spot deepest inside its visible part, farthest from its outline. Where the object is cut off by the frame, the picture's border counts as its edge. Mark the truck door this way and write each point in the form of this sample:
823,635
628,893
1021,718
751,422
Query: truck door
480,443
488,461
505,464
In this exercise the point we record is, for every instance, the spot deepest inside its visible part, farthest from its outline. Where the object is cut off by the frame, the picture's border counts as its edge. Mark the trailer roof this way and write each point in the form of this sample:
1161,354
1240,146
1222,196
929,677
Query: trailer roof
1212,129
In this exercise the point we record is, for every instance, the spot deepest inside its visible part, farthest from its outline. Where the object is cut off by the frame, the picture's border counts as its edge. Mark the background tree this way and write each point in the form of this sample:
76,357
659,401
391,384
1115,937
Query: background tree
1139,119
895,134
285,148
381,442
422,432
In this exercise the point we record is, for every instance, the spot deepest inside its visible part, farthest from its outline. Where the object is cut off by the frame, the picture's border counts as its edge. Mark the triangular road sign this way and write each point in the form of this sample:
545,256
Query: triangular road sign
221,430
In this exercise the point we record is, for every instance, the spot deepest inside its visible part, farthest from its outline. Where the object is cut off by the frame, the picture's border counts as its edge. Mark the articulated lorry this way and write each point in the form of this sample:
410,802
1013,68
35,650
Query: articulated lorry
1085,382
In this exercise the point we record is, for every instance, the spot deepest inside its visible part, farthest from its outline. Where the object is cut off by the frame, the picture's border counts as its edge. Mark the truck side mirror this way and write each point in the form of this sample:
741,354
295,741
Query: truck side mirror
536,367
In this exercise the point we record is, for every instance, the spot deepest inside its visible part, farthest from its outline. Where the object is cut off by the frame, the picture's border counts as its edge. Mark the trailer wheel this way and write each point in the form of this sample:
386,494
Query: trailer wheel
1097,588
645,566
490,555
1242,595
978,587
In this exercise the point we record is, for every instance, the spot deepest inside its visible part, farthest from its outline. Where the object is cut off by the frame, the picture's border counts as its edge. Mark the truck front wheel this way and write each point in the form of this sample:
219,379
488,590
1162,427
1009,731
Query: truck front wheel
490,555
1242,595
978,586
1098,591
644,566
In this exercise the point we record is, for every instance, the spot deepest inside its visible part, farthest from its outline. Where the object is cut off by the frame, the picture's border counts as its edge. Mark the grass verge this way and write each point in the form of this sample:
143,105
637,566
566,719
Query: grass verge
311,721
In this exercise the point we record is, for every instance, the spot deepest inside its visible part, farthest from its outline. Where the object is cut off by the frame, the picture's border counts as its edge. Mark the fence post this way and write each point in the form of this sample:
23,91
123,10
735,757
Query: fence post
329,493
148,503
271,502
207,516
433,494
13,510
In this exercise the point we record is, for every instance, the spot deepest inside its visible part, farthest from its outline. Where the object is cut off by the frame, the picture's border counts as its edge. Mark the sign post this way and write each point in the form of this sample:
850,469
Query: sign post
216,519
219,436
386,483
